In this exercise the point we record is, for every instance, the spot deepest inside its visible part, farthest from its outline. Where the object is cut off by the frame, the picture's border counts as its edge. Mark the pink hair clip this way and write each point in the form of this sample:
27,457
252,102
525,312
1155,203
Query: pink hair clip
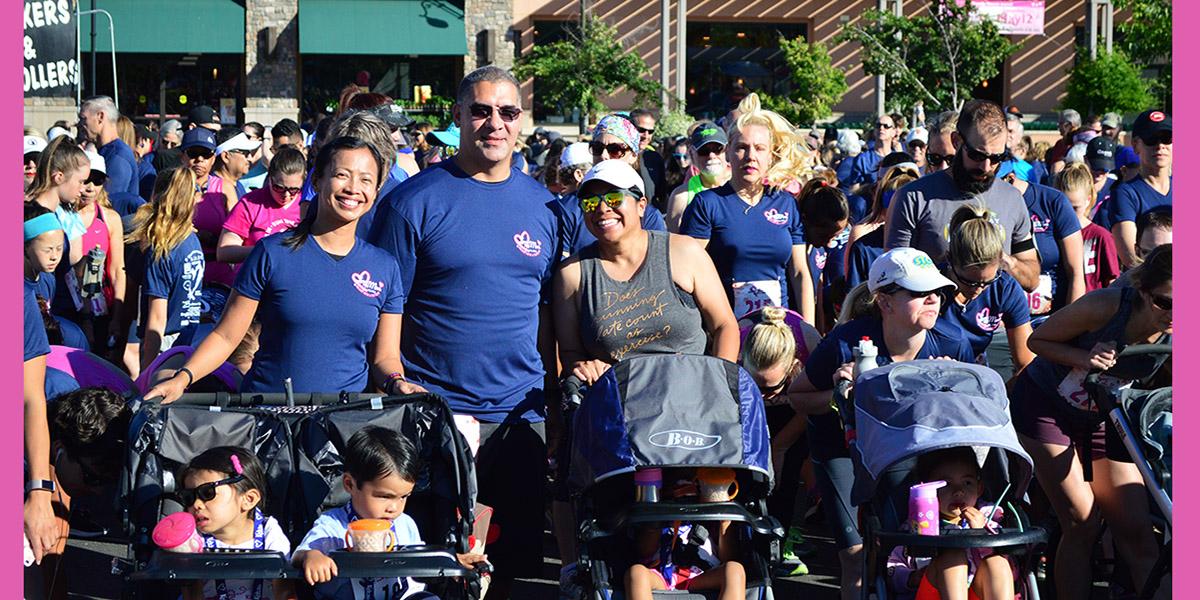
237,464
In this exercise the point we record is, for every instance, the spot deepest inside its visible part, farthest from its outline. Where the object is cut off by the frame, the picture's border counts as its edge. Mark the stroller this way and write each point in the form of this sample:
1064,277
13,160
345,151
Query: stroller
674,412
1142,417
298,439
906,409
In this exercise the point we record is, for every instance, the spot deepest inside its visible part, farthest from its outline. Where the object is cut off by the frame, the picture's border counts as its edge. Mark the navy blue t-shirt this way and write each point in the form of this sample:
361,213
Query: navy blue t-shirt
843,172
1134,198
829,262
1002,302
865,166
1100,215
861,254
859,207
747,244
1052,219
146,174
476,259
177,278
121,167
575,234
318,313
35,330
825,434
45,286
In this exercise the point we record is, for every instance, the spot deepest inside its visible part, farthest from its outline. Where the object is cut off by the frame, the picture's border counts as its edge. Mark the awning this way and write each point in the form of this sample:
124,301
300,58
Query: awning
424,27
167,27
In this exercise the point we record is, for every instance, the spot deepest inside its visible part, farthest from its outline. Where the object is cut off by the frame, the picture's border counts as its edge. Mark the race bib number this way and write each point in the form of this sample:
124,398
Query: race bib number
379,588
1040,298
749,296
1071,389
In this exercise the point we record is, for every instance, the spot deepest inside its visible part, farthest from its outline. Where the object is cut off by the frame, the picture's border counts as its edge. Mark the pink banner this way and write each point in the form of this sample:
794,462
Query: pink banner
1013,17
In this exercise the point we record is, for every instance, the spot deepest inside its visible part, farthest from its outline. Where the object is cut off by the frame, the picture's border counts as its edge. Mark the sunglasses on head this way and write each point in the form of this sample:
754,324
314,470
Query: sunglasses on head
614,149
508,114
935,159
205,492
614,199
1158,139
284,191
1161,302
979,155
649,131
201,153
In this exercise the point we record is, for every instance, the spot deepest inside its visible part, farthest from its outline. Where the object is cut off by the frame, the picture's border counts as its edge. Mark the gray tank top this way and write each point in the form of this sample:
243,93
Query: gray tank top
646,315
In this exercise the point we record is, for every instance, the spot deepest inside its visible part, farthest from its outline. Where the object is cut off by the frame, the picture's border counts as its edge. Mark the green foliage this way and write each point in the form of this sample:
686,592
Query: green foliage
672,123
1111,83
937,57
1146,39
816,85
582,69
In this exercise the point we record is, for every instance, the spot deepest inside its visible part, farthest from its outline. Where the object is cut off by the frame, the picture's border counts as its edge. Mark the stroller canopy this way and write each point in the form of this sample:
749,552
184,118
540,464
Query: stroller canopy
910,408
669,409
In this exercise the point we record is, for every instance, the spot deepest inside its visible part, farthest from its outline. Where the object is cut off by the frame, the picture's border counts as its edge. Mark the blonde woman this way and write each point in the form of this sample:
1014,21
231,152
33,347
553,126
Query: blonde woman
987,297
752,230
174,262
1100,266
866,237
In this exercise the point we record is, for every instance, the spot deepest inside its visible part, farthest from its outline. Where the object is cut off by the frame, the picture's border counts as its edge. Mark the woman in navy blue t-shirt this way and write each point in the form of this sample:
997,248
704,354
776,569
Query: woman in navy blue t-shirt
987,298
330,304
908,291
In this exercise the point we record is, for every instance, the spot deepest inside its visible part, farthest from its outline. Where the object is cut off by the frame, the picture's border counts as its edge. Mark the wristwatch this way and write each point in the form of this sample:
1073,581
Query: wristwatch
39,484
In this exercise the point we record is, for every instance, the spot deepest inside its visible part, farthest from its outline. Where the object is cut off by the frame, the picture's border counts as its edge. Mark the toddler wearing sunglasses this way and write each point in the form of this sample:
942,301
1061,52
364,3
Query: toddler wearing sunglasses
223,488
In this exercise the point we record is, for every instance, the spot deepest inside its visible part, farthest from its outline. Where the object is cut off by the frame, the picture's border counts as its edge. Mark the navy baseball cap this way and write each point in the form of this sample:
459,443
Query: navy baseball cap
201,137
1102,154
708,132
1151,122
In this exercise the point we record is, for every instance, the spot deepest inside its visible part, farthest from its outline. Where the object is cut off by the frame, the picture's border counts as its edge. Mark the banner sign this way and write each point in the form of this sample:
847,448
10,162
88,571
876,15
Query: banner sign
1013,17
49,48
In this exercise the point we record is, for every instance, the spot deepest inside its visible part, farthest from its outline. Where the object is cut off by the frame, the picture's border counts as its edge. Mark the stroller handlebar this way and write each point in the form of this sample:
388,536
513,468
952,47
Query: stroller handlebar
266,399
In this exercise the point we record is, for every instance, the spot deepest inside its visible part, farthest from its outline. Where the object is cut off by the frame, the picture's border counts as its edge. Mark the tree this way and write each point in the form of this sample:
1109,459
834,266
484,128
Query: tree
816,84
1146,39
1111,83
937,57
580,70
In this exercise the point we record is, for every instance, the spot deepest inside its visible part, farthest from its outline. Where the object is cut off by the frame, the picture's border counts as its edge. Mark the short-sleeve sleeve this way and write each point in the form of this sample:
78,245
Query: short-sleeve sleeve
858,264
1022,229
275,538
1015,304
1106,259
326,535
239,219
255,273
36,343
395,234
160,276
1123,205
394,303
902,219
1065,220
697,222
796,228
653,220
121,175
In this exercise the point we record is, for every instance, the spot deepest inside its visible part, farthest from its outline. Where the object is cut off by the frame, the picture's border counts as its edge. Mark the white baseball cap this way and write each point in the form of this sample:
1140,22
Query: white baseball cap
55,132
239,142
34,143
614,172
97,161
908,268
575,154
918,134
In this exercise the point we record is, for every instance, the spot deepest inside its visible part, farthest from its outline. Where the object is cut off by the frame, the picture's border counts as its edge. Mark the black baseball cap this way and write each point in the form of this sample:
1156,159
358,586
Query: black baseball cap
708,132
1102,154
202,115
1151,122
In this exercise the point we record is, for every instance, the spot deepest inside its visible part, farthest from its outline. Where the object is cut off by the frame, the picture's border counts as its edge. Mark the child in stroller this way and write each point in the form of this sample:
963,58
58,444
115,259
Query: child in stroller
223,490
380,474
961,573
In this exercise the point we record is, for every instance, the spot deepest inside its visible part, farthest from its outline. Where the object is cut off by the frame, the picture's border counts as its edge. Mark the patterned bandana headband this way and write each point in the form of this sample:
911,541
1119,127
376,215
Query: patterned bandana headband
620,127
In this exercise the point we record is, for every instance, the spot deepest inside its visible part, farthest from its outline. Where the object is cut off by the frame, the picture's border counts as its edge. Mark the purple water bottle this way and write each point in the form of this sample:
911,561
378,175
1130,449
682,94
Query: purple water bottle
648,482
923,517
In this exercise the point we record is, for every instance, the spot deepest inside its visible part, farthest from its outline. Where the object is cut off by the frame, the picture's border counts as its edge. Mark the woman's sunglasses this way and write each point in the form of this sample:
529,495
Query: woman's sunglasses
614,199
205,492
284,191
974,283
1161,302
97,180
614,149
201,153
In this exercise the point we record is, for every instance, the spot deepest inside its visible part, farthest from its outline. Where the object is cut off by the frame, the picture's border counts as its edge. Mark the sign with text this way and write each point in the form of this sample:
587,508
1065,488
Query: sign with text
49,48
1013,17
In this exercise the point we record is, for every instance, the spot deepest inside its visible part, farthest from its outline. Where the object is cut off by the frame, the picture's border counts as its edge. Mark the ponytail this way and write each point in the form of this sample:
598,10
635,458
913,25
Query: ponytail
975,240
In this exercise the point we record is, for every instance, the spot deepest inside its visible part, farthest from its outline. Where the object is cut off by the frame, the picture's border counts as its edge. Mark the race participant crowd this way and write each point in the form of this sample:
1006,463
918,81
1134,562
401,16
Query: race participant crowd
375,254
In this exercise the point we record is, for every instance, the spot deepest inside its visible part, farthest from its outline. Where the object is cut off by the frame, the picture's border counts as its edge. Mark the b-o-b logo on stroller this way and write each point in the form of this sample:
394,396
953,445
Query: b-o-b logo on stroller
684,440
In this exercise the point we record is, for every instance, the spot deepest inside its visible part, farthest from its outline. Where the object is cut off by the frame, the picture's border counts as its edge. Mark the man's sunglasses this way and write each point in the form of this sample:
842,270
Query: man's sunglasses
1158,139
649,131
284,191
973,283
935,159
885,125
508,114
711,148
614,199
979,155
201,153
615,150
205,492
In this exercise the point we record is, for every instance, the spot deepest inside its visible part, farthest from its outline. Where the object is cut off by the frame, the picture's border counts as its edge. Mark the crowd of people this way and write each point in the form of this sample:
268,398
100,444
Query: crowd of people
377,254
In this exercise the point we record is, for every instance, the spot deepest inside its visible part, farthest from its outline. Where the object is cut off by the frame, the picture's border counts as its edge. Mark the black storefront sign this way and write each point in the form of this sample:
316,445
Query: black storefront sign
49,48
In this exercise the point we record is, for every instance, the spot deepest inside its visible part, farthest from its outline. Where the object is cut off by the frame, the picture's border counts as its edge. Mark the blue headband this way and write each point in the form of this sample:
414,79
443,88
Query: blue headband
41,224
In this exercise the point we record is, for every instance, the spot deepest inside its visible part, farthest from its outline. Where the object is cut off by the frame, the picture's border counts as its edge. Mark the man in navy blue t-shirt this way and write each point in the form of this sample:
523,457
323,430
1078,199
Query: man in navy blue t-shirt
98,119
1150,190
476,243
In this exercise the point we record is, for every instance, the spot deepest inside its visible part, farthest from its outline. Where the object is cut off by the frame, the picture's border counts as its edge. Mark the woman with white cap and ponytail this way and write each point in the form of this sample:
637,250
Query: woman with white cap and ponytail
102,285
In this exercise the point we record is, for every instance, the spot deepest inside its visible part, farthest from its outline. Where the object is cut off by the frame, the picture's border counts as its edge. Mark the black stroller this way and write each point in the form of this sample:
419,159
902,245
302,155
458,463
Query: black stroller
669,411
903,410
299,441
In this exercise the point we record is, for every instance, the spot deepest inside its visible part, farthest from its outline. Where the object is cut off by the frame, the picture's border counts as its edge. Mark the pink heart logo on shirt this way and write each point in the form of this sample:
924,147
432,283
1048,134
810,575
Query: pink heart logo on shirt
987,322
527,245
364,285
775,217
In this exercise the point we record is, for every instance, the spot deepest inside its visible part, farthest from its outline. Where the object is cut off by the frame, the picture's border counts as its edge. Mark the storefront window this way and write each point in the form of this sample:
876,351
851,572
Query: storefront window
190,80
727,60
325,75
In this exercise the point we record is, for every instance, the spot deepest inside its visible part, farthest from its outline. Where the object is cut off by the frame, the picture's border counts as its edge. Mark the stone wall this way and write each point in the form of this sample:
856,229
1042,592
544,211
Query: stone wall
41,113
272,82
496,17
